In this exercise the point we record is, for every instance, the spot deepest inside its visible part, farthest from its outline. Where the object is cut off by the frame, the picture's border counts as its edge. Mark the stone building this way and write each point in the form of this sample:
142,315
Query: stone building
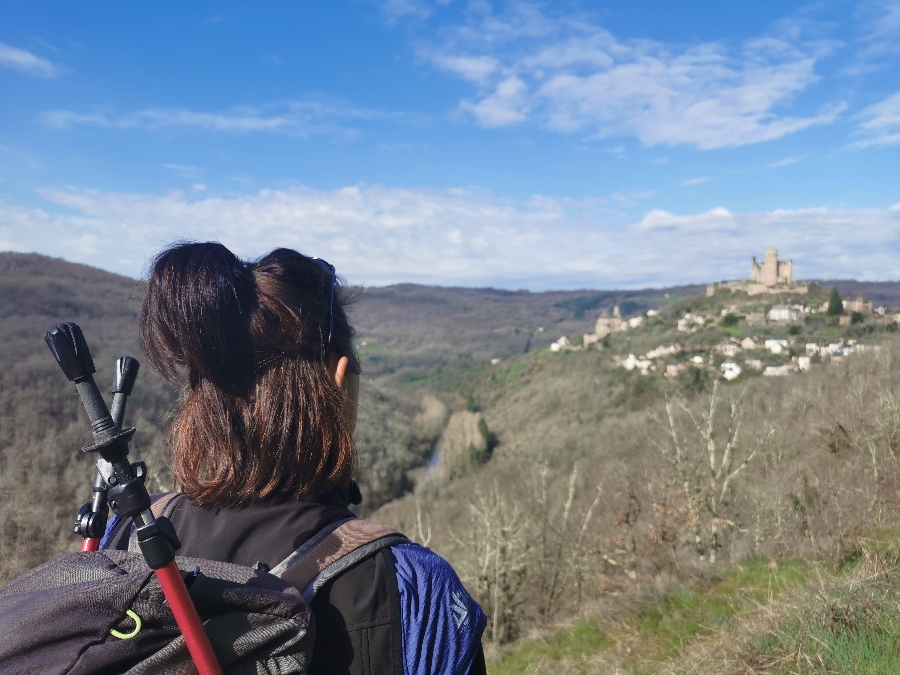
772,272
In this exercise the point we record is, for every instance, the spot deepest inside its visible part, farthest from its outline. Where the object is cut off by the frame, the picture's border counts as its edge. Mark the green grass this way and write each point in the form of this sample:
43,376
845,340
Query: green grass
853,627
580,641
516,371
658,630
847,622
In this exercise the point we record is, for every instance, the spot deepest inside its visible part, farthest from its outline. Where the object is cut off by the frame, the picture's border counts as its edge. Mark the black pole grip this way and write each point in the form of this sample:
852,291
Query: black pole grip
95,406
70,349
68,345
125,374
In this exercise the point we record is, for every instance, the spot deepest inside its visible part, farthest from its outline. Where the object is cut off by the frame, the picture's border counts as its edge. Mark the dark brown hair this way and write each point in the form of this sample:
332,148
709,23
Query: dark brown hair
259,415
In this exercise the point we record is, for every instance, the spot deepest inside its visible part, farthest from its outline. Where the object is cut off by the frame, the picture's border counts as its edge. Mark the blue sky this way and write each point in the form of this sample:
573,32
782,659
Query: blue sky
519,144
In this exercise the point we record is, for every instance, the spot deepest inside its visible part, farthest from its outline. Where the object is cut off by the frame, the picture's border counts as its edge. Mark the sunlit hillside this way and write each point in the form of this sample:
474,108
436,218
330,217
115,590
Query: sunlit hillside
623,479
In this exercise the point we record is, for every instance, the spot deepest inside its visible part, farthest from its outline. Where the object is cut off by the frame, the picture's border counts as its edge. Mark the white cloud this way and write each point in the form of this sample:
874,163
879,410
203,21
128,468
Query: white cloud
25,62
298,118
697,181
379,235
397,9
880,35
506,105
475,69
787,161
881,123
570,75
184,170
630,198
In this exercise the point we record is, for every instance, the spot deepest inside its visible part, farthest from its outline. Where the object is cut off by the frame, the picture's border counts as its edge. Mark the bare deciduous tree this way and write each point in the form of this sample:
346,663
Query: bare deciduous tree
708,457
496,564
560,553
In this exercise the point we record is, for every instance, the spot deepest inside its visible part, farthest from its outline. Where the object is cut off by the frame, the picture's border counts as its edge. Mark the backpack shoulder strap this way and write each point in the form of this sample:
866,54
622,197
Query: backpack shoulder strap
166,504
163,506
333,550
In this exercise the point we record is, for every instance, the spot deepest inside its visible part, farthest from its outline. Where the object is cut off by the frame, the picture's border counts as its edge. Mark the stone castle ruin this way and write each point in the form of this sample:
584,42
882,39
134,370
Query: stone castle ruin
772,272
769,276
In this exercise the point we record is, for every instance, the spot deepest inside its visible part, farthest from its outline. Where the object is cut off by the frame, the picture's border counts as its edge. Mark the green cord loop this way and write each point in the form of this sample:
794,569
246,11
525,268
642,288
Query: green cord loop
128,636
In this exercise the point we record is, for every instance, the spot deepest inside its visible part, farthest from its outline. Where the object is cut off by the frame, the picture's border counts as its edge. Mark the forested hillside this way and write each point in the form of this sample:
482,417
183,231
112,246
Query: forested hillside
607,483
566,485
412,335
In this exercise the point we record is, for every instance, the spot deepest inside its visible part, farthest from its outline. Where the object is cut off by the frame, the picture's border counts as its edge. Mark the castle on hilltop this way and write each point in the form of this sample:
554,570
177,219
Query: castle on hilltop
771,276
772,271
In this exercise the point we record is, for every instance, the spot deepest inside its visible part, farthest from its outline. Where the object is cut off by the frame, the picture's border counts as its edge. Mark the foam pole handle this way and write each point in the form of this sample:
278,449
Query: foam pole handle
92,544
187,619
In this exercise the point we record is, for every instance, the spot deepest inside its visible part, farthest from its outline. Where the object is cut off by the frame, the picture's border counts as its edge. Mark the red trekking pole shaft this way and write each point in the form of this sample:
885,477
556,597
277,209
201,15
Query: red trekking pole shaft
183,610
187,619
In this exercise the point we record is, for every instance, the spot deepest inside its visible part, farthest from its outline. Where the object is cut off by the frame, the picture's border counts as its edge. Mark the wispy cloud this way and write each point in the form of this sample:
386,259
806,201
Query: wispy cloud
880,123
569,74
297,118
184,170
787,161
25,62
630,198
397,9
880,35
457,236
697,181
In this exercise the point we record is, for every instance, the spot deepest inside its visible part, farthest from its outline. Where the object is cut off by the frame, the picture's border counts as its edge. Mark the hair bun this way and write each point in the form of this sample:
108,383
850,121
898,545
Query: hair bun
200,314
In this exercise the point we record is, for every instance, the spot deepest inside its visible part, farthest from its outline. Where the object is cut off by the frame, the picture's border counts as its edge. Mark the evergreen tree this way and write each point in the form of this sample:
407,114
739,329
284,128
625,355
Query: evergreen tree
835,303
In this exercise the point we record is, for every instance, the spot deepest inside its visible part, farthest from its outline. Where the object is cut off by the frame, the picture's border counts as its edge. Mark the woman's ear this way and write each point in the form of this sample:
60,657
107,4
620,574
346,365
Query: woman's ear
337,368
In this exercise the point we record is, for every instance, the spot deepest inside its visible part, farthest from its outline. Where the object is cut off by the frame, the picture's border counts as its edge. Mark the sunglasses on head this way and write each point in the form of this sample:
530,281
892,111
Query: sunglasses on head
328,268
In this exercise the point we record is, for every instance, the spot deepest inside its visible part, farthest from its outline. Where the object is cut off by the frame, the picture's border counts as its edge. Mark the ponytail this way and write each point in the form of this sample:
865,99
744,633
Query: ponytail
199,317
260,417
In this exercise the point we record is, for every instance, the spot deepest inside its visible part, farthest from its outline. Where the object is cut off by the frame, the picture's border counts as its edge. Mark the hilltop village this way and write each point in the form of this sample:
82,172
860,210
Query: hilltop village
766,325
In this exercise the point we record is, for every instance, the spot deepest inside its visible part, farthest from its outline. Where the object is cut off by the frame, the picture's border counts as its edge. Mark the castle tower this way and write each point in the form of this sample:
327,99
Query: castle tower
771,272
770,267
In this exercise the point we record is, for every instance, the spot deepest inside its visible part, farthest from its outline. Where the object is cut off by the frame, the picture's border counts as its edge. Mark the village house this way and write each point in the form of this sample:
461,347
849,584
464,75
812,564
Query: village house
783,313
691,321
560,344
777,346
664,351
859,305
607,325
780,371
730,370
638,362
729,348
673,369
754,363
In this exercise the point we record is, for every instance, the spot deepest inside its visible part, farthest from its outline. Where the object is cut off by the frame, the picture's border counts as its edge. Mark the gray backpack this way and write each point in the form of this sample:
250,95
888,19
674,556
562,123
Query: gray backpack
104,612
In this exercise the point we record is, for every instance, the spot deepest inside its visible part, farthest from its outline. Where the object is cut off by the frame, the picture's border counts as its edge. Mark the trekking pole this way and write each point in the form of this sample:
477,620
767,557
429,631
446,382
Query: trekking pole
123,486
90,522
